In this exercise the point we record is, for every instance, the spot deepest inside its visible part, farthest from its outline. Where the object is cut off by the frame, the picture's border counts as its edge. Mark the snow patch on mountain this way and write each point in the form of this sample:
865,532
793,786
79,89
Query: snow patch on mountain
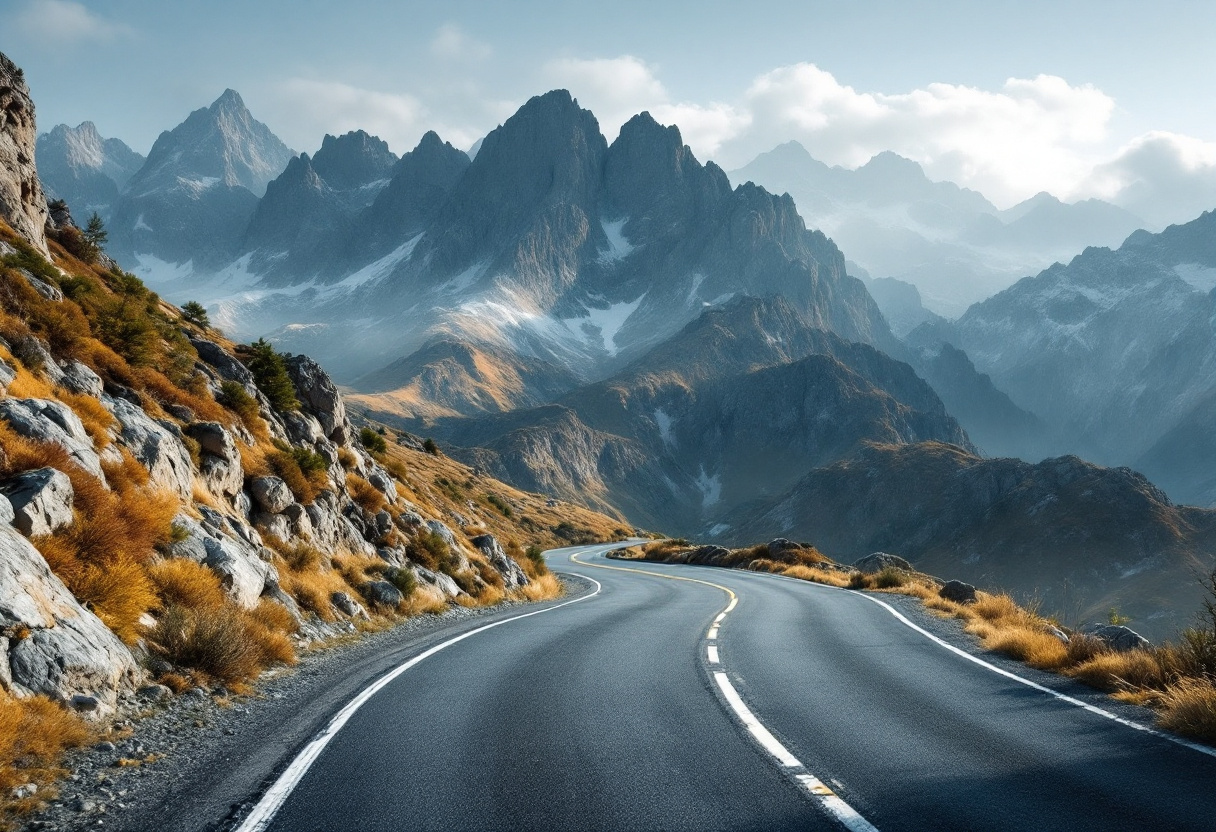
604,324
618,246
380,268
710,487
665,423
1202,278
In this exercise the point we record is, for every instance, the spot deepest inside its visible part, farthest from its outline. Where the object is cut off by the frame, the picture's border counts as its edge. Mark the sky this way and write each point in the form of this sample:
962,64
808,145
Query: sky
1109,99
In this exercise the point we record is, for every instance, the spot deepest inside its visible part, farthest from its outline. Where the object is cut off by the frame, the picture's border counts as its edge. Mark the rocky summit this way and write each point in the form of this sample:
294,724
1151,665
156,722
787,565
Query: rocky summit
22,201
84,170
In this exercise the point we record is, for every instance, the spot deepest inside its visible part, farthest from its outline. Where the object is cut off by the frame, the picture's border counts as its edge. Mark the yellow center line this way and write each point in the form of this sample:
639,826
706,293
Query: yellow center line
727,590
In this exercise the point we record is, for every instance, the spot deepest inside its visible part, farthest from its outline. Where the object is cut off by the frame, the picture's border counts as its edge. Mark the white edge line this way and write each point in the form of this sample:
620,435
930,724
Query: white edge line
1202,749
713,633
712,652
265,810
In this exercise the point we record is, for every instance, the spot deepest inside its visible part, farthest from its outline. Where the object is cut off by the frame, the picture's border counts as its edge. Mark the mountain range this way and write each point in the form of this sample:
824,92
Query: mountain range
615,324
951,243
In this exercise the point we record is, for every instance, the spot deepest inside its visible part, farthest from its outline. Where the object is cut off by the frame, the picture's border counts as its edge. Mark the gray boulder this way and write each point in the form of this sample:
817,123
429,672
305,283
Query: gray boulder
41,286
383,482
513,575
302,428
439,528
439,581
1117,637
34,353
80,378
44,420
331,531
320,397
155,446
8,374
6,511
49,643
381,594
224,364
221,460
40,500
242,572
958,592
347,606
271,493
878,561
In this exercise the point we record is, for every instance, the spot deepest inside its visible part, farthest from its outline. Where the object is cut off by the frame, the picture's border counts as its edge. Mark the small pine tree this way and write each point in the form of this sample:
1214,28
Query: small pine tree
95,232
431,448
196,313
270,375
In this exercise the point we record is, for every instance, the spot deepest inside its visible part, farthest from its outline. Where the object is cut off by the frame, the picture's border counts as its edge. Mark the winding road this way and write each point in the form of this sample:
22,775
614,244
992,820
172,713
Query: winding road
675,697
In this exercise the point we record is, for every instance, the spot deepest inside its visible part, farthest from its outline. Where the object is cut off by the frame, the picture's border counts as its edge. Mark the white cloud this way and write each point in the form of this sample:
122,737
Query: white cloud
453,43
62,21
616,89
302,110
1031,135
1162,177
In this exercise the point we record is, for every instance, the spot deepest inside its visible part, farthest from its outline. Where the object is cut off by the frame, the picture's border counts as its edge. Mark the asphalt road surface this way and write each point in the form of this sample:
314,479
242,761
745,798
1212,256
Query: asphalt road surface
693,698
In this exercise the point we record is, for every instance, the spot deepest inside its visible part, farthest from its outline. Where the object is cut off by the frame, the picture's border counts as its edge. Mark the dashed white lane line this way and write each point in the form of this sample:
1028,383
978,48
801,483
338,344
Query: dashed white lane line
264,812
815,788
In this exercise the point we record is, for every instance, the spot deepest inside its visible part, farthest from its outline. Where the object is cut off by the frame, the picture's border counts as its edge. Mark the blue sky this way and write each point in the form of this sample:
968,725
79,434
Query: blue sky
1079,98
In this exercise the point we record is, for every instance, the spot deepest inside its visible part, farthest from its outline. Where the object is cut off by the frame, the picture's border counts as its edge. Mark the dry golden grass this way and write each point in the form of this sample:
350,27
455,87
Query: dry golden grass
365,494
224,642
1113,671
1189,708
34,733
544,588
819,576
312,590
187,584
98,422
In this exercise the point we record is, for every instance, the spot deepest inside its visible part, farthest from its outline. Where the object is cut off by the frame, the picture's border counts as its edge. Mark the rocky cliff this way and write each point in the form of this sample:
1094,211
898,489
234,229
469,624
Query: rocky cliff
156,479
22,202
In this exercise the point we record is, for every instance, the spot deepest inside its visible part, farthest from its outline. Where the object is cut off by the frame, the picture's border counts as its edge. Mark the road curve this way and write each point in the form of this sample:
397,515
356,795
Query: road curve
609,713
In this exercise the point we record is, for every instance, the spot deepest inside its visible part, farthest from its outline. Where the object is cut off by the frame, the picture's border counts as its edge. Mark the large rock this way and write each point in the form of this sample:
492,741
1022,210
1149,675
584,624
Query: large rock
44,420
320,397
437,580
958,592
8,374
49,644
331,531
243,573
228,367
1120,638
878,561
41,501
221,460
271,493
513,575
80,378
381,594
22,201
155,446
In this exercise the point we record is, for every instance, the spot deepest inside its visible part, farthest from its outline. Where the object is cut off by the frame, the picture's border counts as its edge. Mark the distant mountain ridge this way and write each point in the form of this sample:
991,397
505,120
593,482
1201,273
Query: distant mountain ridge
949,242
85,170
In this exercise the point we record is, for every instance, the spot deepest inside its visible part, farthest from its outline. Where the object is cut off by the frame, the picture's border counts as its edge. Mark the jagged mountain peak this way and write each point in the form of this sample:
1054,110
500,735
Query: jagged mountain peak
354,160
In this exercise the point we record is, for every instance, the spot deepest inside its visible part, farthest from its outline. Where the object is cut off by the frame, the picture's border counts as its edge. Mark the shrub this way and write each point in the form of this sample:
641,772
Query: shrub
429,549
269,370
890,578
34,733
504,508
403,579
305,472
185,583
860,580
224,642
430,447
236,398
373,441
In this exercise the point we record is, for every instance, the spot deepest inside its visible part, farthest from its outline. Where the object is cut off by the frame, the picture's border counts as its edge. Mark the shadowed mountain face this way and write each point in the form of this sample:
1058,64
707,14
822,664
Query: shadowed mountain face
950,242
195,194
1079,537
736,407
1114,352
78,166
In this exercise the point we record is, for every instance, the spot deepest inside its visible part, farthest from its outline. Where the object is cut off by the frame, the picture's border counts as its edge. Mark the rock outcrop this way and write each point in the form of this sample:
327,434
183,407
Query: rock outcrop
22,201
49,643
40,501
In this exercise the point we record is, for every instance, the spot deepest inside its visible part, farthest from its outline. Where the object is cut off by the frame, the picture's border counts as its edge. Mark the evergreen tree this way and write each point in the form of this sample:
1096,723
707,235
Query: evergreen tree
95,232
270,375
196,313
